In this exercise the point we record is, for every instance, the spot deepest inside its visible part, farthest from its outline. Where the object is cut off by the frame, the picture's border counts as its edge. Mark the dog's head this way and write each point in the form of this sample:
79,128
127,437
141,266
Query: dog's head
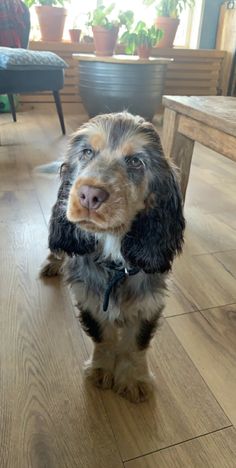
116,180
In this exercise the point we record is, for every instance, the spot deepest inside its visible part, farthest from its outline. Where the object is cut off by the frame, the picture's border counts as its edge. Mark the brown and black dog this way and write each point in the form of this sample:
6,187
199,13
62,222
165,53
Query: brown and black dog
117,226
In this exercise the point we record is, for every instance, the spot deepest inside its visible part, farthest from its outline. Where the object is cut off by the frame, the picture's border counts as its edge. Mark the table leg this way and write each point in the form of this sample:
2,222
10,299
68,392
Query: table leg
177,147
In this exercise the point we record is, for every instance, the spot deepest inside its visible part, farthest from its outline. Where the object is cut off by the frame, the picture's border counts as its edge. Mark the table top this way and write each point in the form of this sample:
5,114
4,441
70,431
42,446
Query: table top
216,111
134,59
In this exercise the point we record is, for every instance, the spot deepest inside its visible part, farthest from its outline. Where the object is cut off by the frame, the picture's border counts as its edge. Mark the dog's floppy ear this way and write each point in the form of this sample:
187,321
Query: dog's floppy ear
64,235
156,234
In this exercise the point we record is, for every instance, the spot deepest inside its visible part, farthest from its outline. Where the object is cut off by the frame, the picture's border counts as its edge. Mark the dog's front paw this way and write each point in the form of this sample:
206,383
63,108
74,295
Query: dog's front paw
102,378
135,391
133,379
52,266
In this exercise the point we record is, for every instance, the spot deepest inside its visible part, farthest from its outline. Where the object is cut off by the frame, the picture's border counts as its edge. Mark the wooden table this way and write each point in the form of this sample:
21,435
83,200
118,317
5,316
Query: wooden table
209,120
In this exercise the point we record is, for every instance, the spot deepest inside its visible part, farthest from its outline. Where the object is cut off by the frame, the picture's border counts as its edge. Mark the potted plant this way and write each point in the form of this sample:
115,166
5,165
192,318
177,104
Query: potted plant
75,32
168,13
105,29
51,18
142,39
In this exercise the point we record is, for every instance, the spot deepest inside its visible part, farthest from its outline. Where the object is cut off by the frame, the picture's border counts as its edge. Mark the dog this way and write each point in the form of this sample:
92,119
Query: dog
115,229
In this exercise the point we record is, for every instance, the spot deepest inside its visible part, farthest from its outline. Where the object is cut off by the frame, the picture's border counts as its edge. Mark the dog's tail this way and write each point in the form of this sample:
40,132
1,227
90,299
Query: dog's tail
51,168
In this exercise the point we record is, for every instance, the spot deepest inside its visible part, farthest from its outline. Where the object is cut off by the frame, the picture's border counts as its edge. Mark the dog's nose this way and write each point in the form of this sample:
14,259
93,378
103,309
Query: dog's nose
92,197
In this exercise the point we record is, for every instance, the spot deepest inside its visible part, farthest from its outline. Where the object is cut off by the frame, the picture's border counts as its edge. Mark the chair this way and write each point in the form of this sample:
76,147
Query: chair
28,71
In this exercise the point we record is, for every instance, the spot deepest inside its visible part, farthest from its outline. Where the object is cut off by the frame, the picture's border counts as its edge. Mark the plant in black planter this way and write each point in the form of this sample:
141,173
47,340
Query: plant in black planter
168,13
51,16
105,30
141,39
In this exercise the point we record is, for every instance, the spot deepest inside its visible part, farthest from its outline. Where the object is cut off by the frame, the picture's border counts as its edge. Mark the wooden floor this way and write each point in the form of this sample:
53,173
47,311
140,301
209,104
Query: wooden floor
49,416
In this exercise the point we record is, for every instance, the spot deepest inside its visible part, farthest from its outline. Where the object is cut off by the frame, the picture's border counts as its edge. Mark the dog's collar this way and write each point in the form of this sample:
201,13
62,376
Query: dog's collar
121,273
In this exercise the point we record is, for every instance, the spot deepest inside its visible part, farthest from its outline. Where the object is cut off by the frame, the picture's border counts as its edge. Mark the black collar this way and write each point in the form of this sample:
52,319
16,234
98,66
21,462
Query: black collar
121,273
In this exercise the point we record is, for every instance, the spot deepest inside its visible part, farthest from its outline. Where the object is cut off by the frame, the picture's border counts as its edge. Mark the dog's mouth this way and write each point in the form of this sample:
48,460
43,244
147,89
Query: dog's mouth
88,225
92,226
93,221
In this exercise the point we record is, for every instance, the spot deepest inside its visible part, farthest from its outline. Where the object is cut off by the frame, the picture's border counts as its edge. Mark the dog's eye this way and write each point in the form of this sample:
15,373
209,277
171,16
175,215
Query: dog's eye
87,153
134,162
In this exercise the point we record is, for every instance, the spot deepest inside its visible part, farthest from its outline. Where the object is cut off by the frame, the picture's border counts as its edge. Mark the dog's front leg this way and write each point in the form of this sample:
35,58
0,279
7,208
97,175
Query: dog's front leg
133,379
99,368
53,265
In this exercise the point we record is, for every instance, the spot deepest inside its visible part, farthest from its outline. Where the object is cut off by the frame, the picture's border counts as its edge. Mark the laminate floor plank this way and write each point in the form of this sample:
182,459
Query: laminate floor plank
20,206
228,261
46,187
15,173
204,281
217,450
212,187
207,233
22,236
228,217
176,301
209,339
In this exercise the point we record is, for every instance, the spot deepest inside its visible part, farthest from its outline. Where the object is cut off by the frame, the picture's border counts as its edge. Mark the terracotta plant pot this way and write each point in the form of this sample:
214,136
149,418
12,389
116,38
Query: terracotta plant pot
144,51
169,27
75,35
105,40
51,22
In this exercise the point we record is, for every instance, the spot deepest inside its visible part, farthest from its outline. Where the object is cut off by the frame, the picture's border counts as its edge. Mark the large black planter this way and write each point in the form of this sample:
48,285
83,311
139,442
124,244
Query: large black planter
114,84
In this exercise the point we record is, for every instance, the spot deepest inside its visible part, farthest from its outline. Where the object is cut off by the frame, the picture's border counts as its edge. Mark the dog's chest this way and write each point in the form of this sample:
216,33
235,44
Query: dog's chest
110,247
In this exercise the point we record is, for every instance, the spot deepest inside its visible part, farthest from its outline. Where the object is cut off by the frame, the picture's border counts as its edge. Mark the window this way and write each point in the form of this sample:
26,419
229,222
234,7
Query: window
187,34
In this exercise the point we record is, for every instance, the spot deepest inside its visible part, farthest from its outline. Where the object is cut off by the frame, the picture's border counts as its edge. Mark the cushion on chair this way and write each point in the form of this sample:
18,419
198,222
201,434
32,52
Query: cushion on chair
22,59
31,81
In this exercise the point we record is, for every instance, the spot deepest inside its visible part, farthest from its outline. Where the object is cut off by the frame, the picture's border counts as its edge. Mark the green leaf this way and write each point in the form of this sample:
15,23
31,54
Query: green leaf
170,8
109,9
148,2
99,17
130,41
140,27
141,35
29,3
126,18
50,2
